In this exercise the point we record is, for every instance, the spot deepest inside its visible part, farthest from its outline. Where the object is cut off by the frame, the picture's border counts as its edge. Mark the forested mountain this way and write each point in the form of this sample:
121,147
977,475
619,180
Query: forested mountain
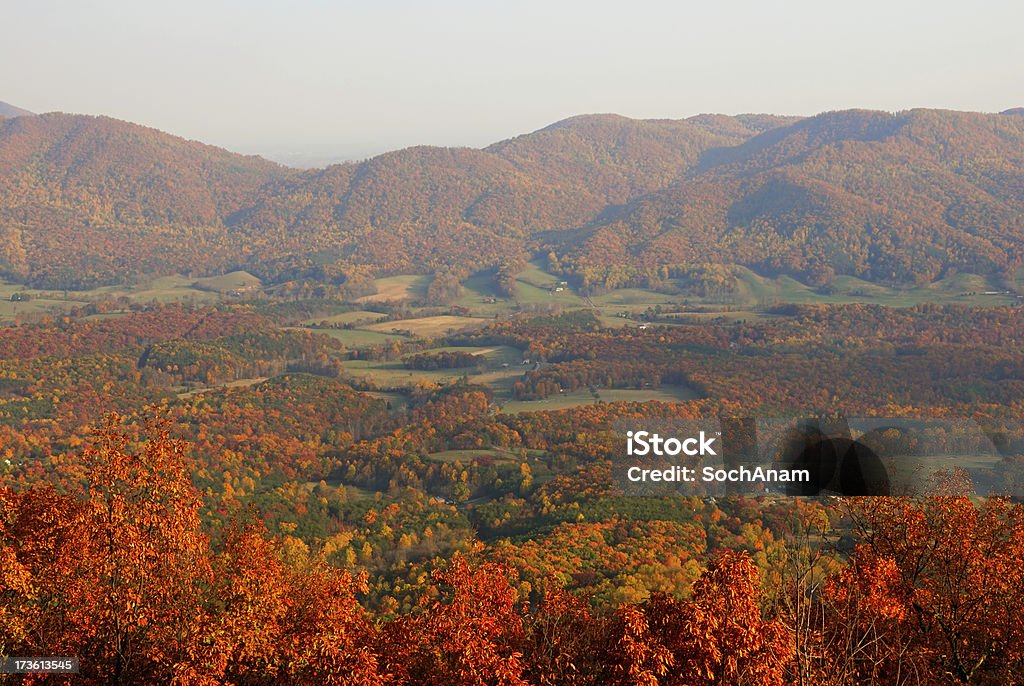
890,197
617,158
90,199
900,198
10,111
428,208
108,171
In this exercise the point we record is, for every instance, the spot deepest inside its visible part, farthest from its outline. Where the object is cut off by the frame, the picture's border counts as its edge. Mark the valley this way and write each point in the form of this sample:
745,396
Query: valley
388,398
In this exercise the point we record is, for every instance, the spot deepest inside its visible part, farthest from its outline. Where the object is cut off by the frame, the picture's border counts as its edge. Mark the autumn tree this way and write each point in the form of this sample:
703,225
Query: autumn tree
115,578
471,636
720,636
946,570
125,579
275,614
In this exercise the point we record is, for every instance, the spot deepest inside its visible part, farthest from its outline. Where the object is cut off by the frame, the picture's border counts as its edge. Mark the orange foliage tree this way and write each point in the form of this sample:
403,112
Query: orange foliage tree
125,579
942,573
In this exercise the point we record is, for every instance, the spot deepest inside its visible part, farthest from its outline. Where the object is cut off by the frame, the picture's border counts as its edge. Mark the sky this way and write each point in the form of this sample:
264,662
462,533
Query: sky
336,79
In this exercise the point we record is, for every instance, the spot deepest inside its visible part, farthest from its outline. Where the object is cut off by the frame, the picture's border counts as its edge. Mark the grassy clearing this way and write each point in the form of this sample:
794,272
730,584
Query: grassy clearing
555,402
609,321
754,292
608,395
491,370
165,289
633,299
494,355
356,317
963,289
175,288
53,302
357,338
237,383
969,289
723,315
105,315
225,283
477,293
394,375
9,311
469,456
918,471
351,492
535,274
396,401
537,286
358,493
528,294
666,394
754,289
429,327
397,288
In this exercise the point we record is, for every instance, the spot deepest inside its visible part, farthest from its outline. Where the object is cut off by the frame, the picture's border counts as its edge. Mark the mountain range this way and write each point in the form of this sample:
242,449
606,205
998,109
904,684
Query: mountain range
898,198
10,111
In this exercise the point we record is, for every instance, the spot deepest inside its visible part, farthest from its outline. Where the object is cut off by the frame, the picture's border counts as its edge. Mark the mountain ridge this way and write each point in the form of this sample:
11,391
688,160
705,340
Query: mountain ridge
903,197
898,197
9,111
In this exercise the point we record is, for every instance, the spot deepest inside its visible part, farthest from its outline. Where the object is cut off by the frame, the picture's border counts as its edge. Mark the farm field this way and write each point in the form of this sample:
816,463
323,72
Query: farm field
396,401
393,288
233,281
490,372
237,383
754,293
668,394
536,286
964,289
428,327
42,302
477,293
36,307
633,299
394,375
356,338
917,471
352,492
168,289
466,457
354,317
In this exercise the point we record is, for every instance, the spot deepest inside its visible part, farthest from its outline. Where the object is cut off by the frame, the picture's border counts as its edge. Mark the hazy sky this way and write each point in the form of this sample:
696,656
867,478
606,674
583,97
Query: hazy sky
349,79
